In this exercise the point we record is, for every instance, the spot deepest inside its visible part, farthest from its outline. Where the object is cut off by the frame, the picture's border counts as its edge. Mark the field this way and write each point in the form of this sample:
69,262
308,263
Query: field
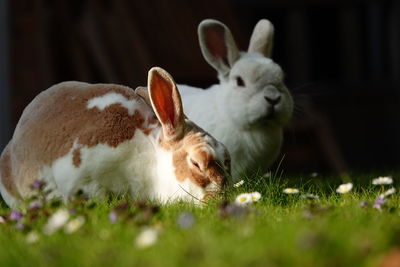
351,229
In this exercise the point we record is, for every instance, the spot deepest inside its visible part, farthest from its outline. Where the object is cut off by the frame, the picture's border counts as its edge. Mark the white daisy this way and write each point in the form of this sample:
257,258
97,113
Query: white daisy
243,199
32,237
238,184
146,238
382,180
389,192
344,188
56,221
291,191
255,196
74,224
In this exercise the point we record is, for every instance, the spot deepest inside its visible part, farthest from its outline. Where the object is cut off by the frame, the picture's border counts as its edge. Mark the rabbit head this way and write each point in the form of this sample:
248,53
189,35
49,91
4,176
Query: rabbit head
252,84
200,163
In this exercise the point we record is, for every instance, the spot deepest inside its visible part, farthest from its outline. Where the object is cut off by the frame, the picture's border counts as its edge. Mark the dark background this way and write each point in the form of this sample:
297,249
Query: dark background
341,59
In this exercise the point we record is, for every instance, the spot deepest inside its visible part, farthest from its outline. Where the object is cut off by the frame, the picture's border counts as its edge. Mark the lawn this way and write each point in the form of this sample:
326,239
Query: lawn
277,230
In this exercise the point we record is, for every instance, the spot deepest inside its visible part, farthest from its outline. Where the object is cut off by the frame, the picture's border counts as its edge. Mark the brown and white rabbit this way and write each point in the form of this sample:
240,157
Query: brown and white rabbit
249,107
102,138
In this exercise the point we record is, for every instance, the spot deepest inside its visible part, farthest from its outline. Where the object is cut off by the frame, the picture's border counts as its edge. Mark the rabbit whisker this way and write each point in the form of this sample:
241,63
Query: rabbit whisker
191,194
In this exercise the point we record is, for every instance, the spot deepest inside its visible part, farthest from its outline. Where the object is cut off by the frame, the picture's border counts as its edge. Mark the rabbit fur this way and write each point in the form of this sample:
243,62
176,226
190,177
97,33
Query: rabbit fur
249,108
101,138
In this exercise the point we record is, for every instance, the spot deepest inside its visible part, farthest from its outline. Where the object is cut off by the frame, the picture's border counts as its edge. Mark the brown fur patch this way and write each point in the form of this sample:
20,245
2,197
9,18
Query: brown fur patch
216,173
59,116
6,172
76,157
193,140
183,171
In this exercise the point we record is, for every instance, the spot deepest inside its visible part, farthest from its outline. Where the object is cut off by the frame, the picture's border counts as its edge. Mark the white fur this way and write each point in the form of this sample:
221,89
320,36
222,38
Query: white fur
238,116
138,167
167,191
124,169
167,188
106,100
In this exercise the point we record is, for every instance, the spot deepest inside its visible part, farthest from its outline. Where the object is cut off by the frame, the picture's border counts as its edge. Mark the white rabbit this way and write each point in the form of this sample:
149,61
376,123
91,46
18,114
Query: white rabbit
102,138
249,108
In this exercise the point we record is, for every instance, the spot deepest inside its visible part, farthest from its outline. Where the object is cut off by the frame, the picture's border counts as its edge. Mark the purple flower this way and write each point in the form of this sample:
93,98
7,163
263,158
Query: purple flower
113,217
20,226
16,216
378,203
364,204
72,211
35,205
185,220
227,210
37,185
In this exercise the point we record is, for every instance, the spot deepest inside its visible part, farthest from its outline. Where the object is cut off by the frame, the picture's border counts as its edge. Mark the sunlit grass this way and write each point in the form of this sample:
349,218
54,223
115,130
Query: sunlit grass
278,230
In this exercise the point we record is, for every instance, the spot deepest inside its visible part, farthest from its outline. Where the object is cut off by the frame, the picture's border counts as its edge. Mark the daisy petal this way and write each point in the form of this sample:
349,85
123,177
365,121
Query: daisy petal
344,188
291,191
383,180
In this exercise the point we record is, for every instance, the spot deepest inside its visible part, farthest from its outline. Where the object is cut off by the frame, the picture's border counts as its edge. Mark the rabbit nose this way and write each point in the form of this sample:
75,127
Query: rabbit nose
273,100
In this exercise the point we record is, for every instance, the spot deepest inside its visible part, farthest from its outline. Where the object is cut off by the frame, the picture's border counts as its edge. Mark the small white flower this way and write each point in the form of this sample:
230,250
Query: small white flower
309,196
344,188
32,237
255,196
238,184
2,220
382,180
243,199
314,174
146,238
267,175
56,221
291,191
389,192
74,224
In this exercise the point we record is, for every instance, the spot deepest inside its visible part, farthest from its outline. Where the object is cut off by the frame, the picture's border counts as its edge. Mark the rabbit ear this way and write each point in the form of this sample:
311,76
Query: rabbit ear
262,38
143,93
217,45
166,102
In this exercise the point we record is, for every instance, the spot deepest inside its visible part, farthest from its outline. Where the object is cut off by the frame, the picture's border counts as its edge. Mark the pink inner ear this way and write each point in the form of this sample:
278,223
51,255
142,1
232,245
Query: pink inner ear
215,42
163,100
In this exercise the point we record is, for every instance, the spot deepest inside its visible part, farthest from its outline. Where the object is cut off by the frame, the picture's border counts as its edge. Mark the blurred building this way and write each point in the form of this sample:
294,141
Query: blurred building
341,59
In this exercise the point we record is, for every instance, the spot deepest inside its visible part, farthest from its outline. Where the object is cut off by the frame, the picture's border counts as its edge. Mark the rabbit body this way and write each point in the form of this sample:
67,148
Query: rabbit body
102,138
250,106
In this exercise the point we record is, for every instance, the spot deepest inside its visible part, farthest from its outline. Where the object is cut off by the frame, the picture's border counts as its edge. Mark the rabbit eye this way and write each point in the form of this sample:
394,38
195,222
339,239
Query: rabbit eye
239,81
194,163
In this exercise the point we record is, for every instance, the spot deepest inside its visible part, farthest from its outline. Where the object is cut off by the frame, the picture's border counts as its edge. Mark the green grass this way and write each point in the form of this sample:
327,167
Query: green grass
279,230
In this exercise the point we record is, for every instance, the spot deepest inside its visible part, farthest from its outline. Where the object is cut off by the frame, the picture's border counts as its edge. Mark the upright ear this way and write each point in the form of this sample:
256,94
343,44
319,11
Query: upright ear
262,38
166,103
144,94
217,45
